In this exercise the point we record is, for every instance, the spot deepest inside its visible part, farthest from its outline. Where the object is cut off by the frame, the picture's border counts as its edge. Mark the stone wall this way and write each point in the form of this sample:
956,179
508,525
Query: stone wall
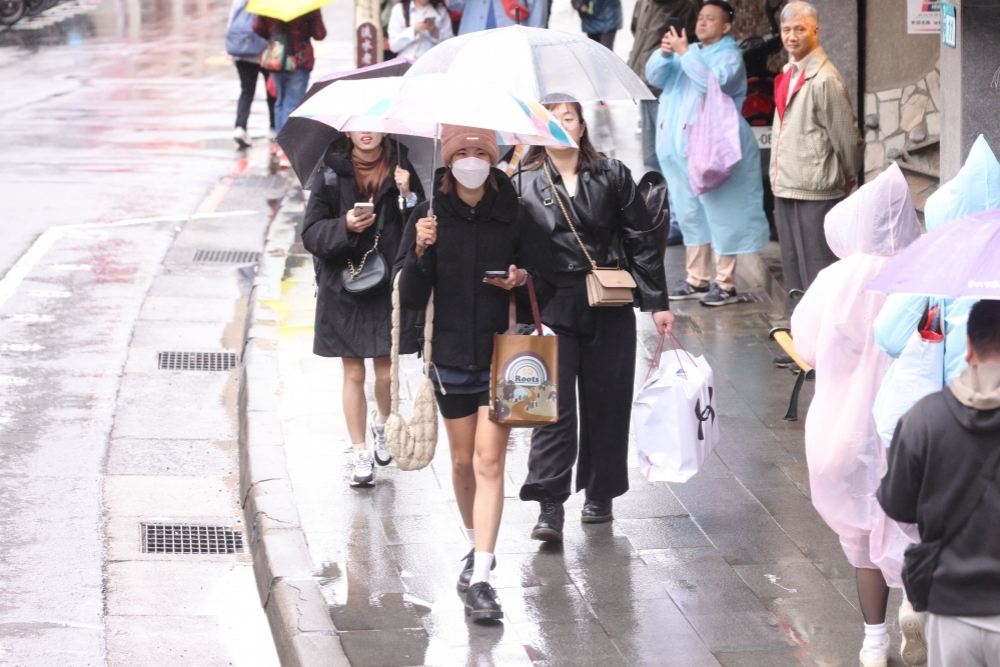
903,123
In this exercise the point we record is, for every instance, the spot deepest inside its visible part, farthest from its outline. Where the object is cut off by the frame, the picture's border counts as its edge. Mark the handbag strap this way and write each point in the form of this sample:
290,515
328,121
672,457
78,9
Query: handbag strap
535,312
569,221
971,501
394,349
364,258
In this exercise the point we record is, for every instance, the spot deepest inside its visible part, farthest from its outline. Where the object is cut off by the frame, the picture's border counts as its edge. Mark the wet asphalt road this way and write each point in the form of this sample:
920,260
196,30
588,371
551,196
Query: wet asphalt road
114,113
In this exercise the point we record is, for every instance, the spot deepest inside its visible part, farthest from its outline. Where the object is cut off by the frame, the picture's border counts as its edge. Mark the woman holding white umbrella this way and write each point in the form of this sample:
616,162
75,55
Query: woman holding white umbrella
479,245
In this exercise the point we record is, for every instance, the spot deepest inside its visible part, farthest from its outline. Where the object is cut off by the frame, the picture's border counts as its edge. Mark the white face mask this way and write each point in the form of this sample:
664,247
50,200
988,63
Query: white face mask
471,171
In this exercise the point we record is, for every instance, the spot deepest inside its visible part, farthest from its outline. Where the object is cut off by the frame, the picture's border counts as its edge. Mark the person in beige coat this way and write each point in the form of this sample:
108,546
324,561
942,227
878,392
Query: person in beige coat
817,150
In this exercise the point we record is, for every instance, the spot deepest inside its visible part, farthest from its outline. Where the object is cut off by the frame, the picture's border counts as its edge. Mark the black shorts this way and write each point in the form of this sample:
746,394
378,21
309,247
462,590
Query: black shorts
457,406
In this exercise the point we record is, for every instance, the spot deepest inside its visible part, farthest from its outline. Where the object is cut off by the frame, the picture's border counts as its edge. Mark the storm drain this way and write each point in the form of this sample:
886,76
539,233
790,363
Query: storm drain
187,538
226,256
197,361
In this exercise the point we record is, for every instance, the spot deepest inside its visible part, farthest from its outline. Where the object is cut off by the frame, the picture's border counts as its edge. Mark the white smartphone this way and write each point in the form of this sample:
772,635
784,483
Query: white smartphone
362,208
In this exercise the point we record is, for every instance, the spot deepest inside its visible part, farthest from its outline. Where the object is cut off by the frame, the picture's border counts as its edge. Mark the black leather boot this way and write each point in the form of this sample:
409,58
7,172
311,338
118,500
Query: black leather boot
596,511
466,576
550,522
482,603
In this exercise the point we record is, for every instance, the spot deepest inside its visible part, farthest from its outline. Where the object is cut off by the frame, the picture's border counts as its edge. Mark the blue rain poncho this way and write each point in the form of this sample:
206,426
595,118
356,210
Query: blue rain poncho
731,218
976,188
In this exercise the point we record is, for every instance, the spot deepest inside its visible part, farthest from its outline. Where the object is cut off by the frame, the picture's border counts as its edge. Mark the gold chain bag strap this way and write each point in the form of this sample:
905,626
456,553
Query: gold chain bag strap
605,286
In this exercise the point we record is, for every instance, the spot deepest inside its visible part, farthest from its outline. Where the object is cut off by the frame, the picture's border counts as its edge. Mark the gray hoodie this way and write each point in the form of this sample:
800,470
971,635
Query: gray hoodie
939,448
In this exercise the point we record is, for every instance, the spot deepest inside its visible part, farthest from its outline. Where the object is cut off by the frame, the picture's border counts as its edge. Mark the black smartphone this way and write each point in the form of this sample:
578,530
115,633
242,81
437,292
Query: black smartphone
675,23
496,274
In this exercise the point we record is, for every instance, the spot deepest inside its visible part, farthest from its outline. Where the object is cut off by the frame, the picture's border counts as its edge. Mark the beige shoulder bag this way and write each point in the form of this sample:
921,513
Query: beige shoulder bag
605,286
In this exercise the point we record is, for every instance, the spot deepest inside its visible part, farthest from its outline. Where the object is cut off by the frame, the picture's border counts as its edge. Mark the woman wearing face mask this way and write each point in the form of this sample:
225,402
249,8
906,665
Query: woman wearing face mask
589,207
359,168
478,226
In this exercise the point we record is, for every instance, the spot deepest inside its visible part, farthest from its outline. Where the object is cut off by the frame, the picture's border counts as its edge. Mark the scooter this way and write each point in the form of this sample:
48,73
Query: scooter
11,11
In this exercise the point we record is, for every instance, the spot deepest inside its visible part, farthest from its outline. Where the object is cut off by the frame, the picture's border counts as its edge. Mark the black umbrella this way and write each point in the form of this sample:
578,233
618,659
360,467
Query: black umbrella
305,141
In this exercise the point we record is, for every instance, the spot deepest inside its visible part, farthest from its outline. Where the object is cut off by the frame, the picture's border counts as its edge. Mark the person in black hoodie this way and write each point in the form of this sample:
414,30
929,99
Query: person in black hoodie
361,167
477,225
944,454
609,226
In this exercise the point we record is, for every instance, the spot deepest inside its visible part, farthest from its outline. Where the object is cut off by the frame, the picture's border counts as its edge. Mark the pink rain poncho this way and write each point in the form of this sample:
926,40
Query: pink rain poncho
832,329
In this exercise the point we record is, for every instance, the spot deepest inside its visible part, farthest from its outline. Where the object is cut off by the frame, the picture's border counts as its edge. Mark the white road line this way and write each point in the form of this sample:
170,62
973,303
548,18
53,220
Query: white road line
10,282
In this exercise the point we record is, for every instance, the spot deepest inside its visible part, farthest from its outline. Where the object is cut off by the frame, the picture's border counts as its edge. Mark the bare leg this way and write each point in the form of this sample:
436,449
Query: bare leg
382,398
355,404
462,444
873,594
488,463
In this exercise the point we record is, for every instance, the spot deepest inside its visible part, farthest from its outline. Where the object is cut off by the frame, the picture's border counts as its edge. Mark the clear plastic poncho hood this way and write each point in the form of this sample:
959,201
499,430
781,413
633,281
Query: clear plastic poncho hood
878,219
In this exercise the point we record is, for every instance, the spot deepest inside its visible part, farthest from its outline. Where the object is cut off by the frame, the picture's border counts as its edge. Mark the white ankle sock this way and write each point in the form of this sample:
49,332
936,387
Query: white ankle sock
481,564
876,635
380,419
469,535
360,451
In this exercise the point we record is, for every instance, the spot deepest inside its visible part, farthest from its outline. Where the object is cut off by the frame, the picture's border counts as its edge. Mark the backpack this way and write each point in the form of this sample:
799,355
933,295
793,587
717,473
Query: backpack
277,56
241,40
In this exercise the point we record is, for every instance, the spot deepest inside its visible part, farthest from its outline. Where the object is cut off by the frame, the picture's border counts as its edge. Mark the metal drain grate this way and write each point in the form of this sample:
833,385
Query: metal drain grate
226,256
187,538
197,361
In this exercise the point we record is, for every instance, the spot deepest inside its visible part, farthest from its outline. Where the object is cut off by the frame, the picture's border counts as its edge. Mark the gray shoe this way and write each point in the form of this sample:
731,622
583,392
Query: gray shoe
719,297
685,290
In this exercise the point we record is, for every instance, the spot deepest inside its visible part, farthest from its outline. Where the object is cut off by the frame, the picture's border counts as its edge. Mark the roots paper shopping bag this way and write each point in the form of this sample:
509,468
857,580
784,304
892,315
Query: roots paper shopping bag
674,417
523,378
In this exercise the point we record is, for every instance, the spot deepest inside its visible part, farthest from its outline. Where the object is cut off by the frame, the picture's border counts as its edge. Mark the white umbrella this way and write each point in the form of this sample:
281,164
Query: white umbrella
537,64
420,105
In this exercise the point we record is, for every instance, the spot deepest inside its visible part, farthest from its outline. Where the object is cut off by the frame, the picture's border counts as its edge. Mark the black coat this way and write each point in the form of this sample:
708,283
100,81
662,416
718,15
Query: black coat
612,220
349,325
939,448
490,237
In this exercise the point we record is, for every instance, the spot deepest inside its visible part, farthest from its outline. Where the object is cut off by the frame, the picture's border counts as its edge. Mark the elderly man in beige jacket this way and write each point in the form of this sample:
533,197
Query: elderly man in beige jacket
817,150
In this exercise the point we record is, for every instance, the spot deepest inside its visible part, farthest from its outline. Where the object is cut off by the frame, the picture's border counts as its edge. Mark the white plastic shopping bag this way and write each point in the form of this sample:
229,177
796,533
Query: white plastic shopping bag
675,418
919,371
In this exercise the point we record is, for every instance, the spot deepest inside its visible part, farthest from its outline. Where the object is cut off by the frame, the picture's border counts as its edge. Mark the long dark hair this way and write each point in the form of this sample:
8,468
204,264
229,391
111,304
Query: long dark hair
344,146
588,154
436,4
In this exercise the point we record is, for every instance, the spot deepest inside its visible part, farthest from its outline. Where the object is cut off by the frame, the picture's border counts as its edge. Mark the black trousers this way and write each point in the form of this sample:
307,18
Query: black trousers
605,38
596,360
248,72
804,250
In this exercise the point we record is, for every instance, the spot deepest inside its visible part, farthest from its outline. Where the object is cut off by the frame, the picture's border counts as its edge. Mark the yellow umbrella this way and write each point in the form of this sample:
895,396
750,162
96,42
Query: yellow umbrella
284,10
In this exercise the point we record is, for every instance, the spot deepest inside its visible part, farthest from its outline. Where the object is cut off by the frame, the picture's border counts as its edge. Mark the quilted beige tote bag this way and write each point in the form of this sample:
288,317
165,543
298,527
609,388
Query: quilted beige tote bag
412,443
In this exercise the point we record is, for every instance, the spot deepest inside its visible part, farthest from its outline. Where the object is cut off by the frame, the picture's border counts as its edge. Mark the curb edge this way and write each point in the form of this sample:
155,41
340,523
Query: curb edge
303,632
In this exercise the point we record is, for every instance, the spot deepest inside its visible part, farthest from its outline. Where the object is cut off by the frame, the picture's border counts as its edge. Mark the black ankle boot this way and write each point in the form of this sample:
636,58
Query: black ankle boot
482,603
596,511
466,576
550,522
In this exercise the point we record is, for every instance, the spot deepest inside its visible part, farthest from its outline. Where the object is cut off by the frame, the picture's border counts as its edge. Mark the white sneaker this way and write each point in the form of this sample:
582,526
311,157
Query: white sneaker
876,655
241,137
383,456
911,624
364,470
271,134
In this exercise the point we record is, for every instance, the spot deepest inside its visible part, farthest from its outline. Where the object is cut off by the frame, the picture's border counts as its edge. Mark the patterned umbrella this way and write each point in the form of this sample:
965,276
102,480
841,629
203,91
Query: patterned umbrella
284,10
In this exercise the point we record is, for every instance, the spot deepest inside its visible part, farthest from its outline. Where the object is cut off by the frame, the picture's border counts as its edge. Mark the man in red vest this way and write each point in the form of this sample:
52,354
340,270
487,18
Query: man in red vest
817,150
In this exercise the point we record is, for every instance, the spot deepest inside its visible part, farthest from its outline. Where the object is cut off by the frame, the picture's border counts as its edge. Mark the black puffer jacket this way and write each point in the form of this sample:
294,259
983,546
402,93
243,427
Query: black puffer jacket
612,220
490,237
348,325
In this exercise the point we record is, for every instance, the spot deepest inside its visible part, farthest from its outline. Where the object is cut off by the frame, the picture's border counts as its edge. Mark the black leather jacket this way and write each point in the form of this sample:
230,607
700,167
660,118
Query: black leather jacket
611,219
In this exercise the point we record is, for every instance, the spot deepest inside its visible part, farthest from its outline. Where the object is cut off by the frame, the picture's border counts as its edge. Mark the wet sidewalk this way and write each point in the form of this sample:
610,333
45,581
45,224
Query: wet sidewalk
732,568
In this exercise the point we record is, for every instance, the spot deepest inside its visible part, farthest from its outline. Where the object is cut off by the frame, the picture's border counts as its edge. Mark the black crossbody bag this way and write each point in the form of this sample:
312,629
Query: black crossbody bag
921,560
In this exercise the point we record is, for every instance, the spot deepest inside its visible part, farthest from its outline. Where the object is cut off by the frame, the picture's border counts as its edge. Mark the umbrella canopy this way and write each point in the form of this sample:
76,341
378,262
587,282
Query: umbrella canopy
305,140
284,10
420,105
537,64
959,260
